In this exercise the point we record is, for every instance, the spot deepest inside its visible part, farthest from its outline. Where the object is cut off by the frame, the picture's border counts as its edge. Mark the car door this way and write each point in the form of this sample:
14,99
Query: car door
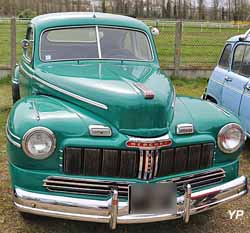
244,113
217,79
235,82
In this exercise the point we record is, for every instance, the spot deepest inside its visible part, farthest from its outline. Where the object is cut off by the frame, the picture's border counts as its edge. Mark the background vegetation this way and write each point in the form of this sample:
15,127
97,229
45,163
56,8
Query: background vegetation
171,9
201,44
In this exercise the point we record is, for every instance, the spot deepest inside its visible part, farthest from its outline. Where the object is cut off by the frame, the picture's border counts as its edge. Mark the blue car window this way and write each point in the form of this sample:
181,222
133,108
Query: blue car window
225,57
238,57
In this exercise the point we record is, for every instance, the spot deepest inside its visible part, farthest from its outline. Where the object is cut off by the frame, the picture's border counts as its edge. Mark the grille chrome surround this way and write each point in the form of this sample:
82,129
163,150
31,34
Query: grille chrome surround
104,187
142,164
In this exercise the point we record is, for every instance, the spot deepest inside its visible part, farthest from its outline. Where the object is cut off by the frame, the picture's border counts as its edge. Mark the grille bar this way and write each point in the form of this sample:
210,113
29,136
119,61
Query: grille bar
143,164
104,187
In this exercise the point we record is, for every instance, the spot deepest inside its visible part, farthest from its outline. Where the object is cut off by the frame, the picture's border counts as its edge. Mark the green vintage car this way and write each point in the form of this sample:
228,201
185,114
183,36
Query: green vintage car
98,134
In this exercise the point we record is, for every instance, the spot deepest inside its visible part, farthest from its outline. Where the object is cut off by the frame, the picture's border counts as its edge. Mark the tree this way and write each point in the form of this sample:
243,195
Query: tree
103,6
215,9
68,5
201,11
179,10
141,11
175,9
163,7
184,14
136,9
148,9
169,9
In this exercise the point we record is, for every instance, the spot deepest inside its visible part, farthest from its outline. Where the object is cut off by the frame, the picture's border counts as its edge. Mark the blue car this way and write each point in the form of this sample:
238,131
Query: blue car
229,84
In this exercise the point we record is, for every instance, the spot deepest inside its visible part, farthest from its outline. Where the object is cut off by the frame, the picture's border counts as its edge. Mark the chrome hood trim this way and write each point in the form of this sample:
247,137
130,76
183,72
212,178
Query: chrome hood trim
78,97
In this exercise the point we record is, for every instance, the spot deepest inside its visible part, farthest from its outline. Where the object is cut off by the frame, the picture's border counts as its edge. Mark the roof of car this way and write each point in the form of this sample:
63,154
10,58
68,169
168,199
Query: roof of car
85,18
237,38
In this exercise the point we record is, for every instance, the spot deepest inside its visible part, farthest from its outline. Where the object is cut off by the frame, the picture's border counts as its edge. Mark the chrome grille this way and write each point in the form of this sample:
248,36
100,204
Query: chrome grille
144,164
104,187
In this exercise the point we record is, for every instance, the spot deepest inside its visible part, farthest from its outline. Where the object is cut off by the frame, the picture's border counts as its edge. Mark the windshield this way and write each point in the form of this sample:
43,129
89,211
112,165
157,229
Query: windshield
83,43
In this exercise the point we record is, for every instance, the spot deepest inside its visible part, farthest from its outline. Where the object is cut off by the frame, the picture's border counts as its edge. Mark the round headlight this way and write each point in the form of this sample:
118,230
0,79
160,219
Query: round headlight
39,143
230,138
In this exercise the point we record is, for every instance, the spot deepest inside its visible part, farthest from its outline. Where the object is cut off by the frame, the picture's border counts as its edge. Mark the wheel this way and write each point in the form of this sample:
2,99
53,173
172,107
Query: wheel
15,92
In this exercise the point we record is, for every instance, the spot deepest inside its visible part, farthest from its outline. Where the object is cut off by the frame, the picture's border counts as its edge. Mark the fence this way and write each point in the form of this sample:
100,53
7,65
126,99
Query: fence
181,45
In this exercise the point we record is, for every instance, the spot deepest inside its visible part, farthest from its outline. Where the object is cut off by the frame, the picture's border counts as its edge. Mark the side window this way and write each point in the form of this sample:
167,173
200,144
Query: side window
245,65
29,50
238,57
225,57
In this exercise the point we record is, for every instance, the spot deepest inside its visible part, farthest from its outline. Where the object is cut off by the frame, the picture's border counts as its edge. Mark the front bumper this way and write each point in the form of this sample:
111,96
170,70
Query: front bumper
116,212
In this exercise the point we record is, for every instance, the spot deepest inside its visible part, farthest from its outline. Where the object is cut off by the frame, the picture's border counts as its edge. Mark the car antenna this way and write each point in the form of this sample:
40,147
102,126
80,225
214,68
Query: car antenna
93,8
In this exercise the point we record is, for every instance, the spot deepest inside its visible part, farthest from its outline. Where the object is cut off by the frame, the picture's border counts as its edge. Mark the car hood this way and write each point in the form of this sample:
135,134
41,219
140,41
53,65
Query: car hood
111,91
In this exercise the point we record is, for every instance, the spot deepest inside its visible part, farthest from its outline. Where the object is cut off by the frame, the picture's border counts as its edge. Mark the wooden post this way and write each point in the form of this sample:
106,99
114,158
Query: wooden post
13,44
177,55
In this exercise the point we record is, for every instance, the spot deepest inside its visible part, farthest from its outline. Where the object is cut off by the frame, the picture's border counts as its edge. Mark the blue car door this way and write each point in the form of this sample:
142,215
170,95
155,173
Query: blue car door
235,82
217,79
244,112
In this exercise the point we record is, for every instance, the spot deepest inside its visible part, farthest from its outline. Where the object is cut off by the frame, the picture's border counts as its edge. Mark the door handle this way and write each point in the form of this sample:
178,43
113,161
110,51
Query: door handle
228,79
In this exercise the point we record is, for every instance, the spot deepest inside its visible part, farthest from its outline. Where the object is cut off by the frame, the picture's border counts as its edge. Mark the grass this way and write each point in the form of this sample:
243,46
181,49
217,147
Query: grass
212,221
199,48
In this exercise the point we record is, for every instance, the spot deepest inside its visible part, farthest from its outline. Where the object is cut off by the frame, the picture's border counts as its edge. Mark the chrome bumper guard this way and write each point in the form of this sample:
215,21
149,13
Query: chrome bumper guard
116,212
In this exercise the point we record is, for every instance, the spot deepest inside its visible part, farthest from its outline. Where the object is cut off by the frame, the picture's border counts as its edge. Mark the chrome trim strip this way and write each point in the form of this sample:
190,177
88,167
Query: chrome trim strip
81,98
146,166
148,140
187,203
151,141
104,131
103,187
12,135
100,210
15,82
140,165
151,156
98,42
179,127
156,162
11,140
114,209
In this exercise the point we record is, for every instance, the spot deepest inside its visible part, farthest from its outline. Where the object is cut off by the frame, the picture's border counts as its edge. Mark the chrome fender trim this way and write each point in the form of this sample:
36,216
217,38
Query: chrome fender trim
10,135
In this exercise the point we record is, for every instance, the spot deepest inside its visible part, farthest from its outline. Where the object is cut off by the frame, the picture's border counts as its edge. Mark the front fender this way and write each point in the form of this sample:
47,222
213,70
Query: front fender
207,118
67,122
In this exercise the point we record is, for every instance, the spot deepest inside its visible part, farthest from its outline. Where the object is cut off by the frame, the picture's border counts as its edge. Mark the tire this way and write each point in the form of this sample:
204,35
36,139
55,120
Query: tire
15,92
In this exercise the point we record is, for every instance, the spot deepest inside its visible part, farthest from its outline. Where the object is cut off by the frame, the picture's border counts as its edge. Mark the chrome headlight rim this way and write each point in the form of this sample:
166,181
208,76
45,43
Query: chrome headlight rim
223,130
29,133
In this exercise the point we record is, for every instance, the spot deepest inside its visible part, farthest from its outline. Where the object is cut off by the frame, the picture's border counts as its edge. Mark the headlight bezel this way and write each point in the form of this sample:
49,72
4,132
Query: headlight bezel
223,130
31,132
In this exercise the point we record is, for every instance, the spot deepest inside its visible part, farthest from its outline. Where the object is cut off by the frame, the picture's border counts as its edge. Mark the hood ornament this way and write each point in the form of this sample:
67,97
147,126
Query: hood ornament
147,93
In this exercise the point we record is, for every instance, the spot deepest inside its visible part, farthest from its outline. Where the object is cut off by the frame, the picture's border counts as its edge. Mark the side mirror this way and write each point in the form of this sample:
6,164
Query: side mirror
25,43
155,31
